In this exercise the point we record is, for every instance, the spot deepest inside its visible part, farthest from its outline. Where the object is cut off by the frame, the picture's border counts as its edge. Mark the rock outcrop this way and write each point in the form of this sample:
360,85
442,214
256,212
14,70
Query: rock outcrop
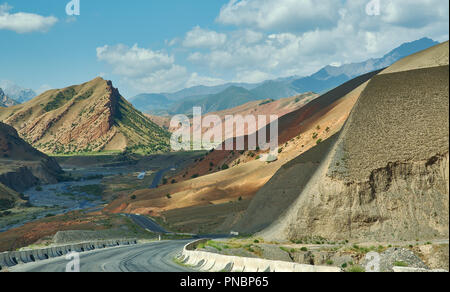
5,101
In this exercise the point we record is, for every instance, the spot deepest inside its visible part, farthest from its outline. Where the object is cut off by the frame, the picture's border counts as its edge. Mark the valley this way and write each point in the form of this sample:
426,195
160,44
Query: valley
361,167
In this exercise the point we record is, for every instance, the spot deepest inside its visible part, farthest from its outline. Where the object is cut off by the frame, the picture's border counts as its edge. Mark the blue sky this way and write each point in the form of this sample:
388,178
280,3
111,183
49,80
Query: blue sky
163,46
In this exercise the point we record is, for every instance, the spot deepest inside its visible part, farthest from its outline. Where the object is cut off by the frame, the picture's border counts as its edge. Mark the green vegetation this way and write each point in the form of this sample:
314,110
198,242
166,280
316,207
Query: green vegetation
95,190
169,196
319,141
144,136
356,269
267,102
38,189
225,167
60,99
400,264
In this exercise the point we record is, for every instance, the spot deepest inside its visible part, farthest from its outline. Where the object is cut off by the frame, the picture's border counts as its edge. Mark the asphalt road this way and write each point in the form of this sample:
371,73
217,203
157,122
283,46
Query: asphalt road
150,257
147,223
158,177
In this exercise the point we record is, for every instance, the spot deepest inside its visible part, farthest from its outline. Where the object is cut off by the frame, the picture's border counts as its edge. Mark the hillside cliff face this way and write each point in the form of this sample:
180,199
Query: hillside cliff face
387,175
89,117
22,167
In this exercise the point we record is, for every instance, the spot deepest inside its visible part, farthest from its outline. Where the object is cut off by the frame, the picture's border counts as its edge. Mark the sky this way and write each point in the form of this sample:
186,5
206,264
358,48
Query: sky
164,46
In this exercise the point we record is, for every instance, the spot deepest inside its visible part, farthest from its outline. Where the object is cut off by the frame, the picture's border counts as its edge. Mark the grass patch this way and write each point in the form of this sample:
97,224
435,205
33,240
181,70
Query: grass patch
356,269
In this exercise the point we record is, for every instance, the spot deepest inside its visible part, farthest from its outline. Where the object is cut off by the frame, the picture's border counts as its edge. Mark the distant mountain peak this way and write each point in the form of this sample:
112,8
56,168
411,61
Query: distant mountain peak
16,92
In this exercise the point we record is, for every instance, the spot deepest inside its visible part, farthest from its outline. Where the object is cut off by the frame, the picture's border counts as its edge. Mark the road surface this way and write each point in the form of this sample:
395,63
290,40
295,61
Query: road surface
158,177
146,223
149,257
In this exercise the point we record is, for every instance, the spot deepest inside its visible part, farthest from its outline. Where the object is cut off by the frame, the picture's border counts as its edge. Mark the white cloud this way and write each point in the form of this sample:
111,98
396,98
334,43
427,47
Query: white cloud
146,70
134,61
22,22
296,15
414,13
201,38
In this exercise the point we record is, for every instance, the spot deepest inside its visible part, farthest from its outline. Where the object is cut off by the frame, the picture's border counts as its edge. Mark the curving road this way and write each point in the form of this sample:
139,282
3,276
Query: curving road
149,257
147,223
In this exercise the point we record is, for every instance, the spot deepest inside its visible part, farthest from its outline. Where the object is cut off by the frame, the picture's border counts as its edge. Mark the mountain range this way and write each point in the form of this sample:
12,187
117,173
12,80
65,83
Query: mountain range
325,79
5,101
16,92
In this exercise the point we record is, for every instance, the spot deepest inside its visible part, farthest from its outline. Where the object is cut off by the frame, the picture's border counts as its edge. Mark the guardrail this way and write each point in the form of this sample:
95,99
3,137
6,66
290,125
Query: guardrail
212,262
10,259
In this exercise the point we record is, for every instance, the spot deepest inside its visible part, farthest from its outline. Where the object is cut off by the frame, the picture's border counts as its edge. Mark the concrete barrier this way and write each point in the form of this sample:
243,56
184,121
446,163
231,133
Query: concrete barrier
212,262
416,270
9,259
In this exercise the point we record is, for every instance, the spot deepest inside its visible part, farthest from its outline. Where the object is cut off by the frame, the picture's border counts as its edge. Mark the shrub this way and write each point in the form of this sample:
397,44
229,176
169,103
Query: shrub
330,262
169,196
133,197
39,189
304,249
356,269
225,167
173,181
319,141
195,175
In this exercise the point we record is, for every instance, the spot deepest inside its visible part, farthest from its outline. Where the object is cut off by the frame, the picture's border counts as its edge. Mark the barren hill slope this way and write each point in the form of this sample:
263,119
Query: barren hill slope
387,175
89,117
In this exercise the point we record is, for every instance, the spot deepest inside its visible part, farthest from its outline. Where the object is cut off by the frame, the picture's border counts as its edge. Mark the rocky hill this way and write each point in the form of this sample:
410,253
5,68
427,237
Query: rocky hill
83,118
386,175
5,101
22,166
16,92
